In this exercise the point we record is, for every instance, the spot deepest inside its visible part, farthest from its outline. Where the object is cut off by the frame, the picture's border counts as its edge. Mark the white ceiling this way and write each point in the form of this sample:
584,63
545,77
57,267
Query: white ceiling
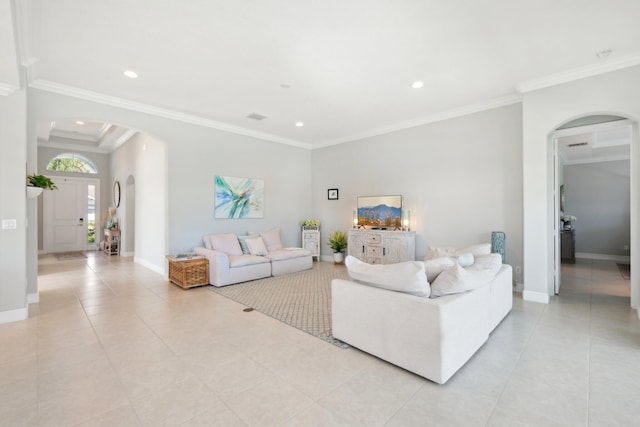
349,64
596,143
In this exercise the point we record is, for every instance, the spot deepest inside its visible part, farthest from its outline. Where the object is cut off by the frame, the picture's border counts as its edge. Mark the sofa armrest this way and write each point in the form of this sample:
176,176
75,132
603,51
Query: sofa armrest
218,265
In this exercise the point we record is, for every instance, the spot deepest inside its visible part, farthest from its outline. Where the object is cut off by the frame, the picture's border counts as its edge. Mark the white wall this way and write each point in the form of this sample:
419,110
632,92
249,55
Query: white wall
144,158
544,111
461,179
13,206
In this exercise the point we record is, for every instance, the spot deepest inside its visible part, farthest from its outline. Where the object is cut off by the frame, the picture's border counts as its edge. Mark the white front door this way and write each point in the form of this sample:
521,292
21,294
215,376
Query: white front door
65,216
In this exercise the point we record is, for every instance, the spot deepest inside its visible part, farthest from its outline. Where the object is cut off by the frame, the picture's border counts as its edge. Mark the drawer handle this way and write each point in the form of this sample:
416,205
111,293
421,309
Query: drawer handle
384,251
362,248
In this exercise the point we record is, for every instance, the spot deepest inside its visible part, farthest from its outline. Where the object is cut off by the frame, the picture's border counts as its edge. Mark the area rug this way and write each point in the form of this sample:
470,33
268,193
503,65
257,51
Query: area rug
63,256
302,300
625,270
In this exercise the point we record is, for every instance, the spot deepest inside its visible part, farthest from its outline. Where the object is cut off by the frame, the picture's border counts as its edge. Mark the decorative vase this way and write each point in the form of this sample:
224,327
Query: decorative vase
498,243
338,257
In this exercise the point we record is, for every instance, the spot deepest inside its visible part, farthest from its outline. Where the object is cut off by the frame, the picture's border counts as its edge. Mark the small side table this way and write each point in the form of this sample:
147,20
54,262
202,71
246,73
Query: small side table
189,272
311,240
111,241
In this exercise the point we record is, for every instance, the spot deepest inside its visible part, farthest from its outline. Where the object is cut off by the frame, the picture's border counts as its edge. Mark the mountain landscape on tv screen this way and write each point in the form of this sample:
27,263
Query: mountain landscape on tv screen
380,215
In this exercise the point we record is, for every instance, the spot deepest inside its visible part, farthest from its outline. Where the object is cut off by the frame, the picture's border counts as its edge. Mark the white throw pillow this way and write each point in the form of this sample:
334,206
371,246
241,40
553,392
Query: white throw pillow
475,250
434,252
207,241
408,277
256,246
434,267
465,260
227,243
491,262
455,280
271,239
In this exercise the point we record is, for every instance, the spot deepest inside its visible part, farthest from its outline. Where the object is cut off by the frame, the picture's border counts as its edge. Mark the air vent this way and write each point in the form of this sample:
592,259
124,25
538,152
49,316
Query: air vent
578,144
257,116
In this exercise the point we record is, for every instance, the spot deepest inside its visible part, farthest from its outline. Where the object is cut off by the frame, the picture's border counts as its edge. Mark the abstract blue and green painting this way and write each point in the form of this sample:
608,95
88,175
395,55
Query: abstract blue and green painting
239,197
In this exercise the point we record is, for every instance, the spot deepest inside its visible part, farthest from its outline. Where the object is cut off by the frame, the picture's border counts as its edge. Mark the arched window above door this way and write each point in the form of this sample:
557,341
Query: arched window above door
72,162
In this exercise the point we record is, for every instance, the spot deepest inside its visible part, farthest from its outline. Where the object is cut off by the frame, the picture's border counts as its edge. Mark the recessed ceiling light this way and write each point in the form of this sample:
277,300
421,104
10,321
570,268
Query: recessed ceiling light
417,85
285,85
131,74
79,122
299,124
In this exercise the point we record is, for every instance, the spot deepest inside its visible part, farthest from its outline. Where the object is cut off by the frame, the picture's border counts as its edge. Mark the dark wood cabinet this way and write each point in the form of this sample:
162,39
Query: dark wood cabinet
568,246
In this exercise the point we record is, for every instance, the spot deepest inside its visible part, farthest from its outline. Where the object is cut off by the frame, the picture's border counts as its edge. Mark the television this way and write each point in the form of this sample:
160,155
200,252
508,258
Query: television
380,212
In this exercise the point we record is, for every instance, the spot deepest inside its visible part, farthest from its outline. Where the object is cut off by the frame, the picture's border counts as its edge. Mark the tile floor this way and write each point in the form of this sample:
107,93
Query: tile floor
113,344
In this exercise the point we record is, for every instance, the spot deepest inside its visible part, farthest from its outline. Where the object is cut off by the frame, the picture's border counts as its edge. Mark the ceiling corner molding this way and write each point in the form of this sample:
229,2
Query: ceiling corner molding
139,107
437,117
607,66
7,89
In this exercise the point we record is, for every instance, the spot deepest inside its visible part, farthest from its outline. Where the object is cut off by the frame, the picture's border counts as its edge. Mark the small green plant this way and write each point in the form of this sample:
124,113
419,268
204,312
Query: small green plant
337,241
41,181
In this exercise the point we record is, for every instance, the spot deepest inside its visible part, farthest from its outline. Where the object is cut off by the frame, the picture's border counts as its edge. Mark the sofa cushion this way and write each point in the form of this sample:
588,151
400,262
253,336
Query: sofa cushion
287,253
227,243
455,280
256,246
434,267
465,260
271,239
475,250
491,262
408,277
244,260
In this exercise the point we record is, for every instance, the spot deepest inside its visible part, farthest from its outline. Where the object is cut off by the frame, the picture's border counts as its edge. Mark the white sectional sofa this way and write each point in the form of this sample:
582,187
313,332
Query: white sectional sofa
235,259
432,337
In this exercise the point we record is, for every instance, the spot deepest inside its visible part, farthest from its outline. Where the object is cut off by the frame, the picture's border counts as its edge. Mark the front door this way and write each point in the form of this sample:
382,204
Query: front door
65,216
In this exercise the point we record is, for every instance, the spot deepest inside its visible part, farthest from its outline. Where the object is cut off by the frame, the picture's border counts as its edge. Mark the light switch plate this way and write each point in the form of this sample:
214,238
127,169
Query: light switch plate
9,224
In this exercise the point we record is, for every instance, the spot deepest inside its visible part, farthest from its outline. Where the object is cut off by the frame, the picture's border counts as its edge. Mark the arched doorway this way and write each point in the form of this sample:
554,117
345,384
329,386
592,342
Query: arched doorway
580,142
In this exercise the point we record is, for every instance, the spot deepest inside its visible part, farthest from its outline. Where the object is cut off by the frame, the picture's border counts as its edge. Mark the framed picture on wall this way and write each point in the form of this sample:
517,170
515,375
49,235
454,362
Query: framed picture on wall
332,194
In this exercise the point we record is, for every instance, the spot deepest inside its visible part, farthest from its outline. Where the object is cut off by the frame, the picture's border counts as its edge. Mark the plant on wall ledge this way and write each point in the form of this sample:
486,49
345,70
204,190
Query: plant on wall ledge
41,181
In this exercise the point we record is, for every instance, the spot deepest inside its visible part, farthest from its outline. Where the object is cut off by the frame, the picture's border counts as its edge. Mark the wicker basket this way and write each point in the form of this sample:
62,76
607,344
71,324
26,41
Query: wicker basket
189,273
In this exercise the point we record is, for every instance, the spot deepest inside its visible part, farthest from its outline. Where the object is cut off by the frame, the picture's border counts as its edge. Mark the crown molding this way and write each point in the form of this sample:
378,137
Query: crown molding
597,159
7,89
607,66
72,147
438,117
139,107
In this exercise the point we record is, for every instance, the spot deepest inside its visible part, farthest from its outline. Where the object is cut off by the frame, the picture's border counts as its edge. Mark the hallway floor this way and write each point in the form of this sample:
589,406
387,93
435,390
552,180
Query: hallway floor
112,343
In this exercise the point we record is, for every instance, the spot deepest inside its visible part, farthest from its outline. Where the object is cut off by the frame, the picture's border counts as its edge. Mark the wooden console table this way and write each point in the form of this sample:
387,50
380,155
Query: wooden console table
111,242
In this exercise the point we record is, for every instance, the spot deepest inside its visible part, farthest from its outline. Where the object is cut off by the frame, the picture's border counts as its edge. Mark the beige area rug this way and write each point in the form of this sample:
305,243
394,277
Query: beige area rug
302,300
625,270
62,256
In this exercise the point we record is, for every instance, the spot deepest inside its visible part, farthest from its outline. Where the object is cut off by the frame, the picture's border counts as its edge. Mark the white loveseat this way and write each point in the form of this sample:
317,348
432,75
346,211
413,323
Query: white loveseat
432,337
235,259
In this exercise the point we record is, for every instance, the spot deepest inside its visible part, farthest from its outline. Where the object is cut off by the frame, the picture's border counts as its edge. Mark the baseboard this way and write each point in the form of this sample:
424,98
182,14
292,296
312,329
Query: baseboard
127,254
535,297
604,257
13,315
33,298
518,287
150,266
326,258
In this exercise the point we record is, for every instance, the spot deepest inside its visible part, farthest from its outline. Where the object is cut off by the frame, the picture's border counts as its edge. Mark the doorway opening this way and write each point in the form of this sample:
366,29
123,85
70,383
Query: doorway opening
593,208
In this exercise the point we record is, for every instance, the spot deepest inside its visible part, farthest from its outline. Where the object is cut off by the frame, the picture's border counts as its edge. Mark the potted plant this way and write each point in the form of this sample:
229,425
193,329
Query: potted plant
338,242
37,183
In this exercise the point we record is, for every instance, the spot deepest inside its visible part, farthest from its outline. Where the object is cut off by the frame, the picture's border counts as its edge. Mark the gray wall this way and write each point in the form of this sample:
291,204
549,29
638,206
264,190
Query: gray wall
597,194
461,179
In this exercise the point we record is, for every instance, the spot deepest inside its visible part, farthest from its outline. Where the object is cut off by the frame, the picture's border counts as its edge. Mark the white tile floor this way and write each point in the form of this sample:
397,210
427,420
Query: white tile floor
114,344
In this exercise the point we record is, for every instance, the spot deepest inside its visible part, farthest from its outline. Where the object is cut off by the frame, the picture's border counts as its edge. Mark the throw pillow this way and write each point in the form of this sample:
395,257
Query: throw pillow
408,277
465,260
434,252
491,262
271,239
227,243
475,250
435,266
207,241
243,243
256,246
455,280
